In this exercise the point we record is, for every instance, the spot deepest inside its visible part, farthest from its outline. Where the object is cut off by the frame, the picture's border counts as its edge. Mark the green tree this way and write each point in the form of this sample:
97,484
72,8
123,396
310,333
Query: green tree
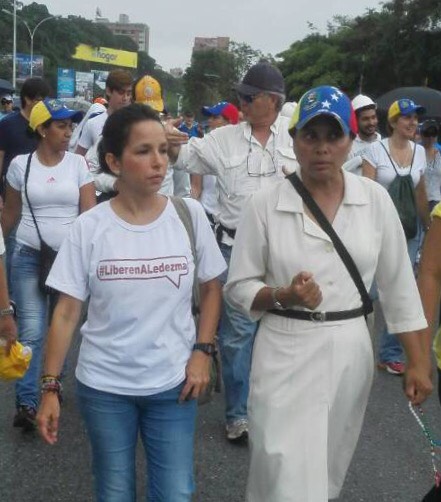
57,40
245,57
396,45
209,78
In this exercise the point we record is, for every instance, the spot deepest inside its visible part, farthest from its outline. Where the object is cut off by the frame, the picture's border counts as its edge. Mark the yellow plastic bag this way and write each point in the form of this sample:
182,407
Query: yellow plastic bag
16,364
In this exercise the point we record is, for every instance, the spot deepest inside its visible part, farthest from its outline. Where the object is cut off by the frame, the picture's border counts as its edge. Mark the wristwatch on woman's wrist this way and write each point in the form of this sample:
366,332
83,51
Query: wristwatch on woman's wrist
7,311
276,303
206,348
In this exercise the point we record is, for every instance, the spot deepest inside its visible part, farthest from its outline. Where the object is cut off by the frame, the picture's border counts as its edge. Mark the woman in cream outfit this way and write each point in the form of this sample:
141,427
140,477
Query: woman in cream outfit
310,380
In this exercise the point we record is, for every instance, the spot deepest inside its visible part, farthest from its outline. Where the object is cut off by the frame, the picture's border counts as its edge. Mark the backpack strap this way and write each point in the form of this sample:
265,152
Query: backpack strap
185,217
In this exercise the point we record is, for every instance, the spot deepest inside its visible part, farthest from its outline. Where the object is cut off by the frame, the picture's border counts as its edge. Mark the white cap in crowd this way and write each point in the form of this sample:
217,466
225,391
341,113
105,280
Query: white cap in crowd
362,101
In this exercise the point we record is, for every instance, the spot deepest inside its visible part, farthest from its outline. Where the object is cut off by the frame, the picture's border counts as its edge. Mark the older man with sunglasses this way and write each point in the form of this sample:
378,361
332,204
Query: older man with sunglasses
246,157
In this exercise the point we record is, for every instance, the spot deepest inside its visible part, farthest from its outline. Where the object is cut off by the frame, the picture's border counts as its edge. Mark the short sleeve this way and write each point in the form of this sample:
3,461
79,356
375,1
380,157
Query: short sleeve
15,175
396,283
249,260
421,159
371,154
210,261
3,135
69,273
86,138
85,176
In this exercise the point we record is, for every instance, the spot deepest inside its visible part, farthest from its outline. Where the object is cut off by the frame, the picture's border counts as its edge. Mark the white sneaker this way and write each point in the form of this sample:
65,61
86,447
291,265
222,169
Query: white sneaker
237,430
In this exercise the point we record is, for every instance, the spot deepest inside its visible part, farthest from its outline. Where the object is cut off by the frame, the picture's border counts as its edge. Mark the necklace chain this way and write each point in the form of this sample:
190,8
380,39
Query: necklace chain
401,161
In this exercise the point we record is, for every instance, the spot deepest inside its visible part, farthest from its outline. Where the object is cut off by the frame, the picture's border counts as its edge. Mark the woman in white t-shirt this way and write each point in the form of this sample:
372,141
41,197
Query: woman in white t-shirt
141,364
398,155
58,186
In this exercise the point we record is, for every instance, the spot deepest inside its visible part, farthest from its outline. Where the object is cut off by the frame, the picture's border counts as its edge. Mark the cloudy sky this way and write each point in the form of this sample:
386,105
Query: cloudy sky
268,25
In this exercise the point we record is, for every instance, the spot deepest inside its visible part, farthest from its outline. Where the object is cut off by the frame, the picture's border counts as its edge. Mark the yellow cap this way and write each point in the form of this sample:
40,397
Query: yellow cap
52,109
404,107
39,115
148,92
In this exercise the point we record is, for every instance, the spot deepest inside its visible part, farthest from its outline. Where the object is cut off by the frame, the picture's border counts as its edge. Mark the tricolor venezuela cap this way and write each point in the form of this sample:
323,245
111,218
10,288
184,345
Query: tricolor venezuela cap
325,100
53,109
404,107
226,110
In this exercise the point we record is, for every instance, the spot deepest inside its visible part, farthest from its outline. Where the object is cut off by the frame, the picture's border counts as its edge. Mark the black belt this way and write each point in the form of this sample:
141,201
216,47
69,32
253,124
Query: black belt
220,229
210,218
319,316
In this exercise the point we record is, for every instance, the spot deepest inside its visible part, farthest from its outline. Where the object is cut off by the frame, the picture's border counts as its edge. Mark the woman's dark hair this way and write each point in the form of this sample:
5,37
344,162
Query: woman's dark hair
35,134
116,130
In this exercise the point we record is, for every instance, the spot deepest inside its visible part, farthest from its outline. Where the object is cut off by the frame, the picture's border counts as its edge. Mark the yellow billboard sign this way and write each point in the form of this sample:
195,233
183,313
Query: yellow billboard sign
106,55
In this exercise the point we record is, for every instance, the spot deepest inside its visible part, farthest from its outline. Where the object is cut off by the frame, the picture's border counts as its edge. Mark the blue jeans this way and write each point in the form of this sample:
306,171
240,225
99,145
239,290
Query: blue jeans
32,318
113,423
236,339
390,347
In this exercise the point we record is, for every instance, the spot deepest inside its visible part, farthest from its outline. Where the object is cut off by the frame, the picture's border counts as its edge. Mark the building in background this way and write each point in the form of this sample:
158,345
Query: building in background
206,43
176,72
138,32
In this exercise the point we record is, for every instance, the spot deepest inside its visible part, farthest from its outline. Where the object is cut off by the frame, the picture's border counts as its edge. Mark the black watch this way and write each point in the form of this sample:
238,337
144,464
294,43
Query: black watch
207,348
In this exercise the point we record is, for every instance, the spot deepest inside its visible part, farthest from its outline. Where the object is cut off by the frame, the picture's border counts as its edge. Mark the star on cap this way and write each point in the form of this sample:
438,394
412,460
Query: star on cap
326,104
334,97
339,92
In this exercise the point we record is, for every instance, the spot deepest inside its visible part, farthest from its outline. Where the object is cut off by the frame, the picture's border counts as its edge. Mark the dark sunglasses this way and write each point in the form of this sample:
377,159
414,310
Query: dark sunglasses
247,98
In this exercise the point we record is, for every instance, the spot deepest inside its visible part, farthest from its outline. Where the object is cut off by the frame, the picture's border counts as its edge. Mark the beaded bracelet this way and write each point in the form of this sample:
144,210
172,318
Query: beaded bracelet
50,383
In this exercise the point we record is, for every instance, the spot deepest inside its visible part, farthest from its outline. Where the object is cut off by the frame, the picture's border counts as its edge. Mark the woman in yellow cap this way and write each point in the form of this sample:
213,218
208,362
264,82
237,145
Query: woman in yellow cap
46,191
385,161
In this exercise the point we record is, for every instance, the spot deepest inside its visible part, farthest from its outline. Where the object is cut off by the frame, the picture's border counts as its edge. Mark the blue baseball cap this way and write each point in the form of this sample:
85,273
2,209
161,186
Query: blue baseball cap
325,100
225,109
53,109
404,107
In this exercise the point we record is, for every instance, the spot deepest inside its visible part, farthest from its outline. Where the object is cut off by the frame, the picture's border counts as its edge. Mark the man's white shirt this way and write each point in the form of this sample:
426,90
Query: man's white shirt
355,157
241,164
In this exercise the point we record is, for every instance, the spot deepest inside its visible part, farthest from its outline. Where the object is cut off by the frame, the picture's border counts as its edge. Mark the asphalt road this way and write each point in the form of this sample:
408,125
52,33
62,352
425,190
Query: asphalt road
391,464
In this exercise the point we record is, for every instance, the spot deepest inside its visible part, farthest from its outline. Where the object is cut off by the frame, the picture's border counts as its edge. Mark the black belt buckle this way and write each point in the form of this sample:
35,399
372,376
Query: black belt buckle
318,316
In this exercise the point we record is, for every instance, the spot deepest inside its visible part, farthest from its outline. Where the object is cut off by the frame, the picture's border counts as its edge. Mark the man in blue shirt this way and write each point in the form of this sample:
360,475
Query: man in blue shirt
14,138
190,126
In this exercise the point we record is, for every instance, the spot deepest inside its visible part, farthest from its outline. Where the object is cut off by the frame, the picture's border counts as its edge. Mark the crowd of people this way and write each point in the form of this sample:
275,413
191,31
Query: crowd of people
311,223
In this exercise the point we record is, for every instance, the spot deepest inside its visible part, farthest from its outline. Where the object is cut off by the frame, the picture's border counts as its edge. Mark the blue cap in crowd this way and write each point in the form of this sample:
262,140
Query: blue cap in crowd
325,100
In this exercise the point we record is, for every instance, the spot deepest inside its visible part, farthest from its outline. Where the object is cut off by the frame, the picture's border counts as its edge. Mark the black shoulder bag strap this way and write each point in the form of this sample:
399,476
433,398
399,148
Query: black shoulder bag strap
393,163
28,168
339,246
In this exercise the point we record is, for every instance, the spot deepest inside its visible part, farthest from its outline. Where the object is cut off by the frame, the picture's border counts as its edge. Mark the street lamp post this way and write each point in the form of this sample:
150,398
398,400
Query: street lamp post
31,35
14,47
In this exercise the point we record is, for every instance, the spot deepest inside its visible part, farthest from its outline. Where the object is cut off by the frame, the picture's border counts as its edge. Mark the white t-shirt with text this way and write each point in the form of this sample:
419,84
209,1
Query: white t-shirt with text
139,331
